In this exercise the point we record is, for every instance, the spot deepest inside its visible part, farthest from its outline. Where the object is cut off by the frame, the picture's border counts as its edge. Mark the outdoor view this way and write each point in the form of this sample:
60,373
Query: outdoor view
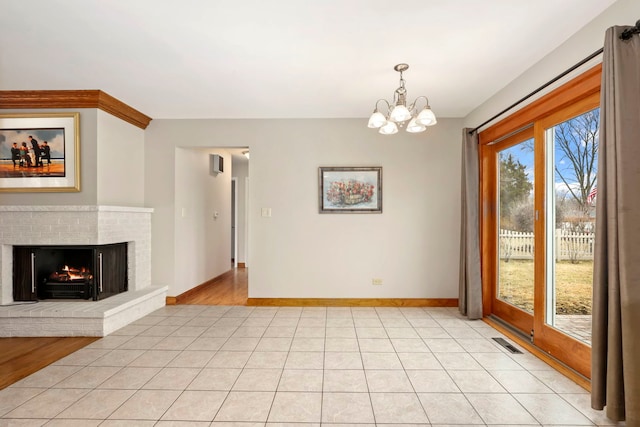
515,239
572,158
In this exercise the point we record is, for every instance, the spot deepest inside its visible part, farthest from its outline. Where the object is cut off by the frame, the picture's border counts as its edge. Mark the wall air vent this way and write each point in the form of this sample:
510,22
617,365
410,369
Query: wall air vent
216,164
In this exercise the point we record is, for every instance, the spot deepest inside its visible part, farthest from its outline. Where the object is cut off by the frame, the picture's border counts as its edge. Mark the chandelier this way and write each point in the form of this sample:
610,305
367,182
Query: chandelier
398,113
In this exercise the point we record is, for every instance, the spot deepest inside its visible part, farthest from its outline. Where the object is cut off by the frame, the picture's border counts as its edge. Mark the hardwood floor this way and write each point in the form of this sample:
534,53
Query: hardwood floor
230,289
20,357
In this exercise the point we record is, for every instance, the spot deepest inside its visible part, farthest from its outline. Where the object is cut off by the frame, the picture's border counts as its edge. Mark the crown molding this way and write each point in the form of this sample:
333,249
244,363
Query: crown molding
22,99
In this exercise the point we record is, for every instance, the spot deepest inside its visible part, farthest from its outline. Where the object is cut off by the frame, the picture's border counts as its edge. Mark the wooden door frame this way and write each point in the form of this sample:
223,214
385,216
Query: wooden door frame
574,92
555,342
507,312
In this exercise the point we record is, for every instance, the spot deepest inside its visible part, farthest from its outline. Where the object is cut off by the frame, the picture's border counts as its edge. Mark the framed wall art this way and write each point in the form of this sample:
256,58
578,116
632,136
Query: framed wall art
39,152
350,189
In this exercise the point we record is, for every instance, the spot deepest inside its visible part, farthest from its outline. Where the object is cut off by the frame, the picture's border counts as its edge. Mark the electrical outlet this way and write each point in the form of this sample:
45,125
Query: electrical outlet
376,281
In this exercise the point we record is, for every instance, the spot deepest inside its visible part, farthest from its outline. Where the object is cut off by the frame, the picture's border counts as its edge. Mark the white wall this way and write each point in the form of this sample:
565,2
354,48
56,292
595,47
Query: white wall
586,41
298,253
202,241
241,172
120,158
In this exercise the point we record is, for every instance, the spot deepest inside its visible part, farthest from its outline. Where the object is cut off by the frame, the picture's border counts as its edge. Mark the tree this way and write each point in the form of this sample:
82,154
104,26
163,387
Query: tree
576,147
514,184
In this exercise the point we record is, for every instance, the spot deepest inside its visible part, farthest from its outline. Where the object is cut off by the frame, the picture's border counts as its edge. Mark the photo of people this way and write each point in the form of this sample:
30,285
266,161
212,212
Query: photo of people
32,153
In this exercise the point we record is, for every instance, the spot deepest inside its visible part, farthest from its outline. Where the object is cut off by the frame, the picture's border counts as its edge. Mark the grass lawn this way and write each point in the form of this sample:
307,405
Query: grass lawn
573,285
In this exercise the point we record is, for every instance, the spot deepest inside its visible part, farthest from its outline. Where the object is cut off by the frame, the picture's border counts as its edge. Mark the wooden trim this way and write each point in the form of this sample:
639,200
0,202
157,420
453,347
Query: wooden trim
489,221
487,227
23,99
200,288
516,317
121,110
540,354
242,265
586,83
354,302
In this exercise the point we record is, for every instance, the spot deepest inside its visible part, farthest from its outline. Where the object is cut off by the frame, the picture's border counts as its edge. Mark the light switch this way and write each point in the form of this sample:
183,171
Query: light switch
266,212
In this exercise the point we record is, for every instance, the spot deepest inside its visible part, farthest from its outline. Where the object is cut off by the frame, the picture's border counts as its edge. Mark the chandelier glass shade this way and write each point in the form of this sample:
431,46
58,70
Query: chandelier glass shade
397,113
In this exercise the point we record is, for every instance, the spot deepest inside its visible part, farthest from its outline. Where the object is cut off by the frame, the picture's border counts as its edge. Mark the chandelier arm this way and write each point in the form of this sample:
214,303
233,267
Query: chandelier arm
386,102
411,108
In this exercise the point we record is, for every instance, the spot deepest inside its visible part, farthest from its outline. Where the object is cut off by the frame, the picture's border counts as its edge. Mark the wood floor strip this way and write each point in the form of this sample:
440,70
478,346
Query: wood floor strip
229,288
354,302
20,357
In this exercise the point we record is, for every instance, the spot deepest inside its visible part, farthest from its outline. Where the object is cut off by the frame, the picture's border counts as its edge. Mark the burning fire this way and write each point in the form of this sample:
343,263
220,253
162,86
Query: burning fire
70,274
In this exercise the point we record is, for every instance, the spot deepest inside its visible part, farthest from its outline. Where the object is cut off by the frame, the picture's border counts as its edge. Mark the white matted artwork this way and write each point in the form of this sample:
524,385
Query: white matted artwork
40,152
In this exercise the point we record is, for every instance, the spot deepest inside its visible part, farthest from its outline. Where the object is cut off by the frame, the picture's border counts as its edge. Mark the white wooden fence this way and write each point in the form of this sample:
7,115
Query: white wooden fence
568,245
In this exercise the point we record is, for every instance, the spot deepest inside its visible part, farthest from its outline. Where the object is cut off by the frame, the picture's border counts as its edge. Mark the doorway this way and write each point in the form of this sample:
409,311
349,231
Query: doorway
239,209
540,227
234,221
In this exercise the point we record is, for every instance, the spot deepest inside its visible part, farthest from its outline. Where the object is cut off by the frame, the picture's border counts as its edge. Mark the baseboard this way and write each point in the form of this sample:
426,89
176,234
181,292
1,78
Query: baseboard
354,302
574,376
200,288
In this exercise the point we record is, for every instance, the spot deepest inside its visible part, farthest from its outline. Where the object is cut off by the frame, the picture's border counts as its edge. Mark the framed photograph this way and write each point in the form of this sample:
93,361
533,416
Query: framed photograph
39,152
350,189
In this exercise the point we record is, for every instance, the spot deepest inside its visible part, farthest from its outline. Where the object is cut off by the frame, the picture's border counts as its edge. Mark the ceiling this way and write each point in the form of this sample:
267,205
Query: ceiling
280,58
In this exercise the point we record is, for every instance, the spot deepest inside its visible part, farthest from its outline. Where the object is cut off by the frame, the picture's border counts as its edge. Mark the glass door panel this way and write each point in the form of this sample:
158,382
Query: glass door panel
571,166
539,195
515,271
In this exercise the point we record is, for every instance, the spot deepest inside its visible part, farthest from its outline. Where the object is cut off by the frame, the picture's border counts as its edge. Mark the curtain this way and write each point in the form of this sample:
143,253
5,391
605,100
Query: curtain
470,293
616,283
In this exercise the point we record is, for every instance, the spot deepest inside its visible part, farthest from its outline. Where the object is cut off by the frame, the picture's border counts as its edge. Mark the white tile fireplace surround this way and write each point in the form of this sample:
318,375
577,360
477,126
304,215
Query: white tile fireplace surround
77,225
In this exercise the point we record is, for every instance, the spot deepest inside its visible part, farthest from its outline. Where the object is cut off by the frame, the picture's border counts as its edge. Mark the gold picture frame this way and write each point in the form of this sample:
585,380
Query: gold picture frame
47,158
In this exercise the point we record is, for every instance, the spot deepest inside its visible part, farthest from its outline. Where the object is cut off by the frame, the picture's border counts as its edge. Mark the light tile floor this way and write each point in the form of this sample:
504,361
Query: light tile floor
286,366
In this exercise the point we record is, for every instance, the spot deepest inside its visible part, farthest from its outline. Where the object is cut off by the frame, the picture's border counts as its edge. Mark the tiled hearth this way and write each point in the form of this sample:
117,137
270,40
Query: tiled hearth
79,318
77,225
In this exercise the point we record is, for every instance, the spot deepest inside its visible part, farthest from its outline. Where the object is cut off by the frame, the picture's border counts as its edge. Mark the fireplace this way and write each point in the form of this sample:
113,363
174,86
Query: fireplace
76,226
69,272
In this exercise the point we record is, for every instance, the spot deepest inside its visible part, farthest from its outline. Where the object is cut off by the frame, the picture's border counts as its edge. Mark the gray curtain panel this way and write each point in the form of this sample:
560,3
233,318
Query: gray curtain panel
470,294
615,377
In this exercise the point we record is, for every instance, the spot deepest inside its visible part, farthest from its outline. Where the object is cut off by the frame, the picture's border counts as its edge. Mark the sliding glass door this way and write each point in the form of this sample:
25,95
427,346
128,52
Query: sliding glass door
543,190
569,141
513,160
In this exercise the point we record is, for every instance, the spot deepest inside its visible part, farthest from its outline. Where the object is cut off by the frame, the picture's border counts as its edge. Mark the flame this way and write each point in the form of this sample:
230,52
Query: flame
76,274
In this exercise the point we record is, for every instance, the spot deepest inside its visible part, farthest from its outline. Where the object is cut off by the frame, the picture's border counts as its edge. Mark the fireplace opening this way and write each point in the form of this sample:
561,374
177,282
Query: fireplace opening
64,273
69,272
